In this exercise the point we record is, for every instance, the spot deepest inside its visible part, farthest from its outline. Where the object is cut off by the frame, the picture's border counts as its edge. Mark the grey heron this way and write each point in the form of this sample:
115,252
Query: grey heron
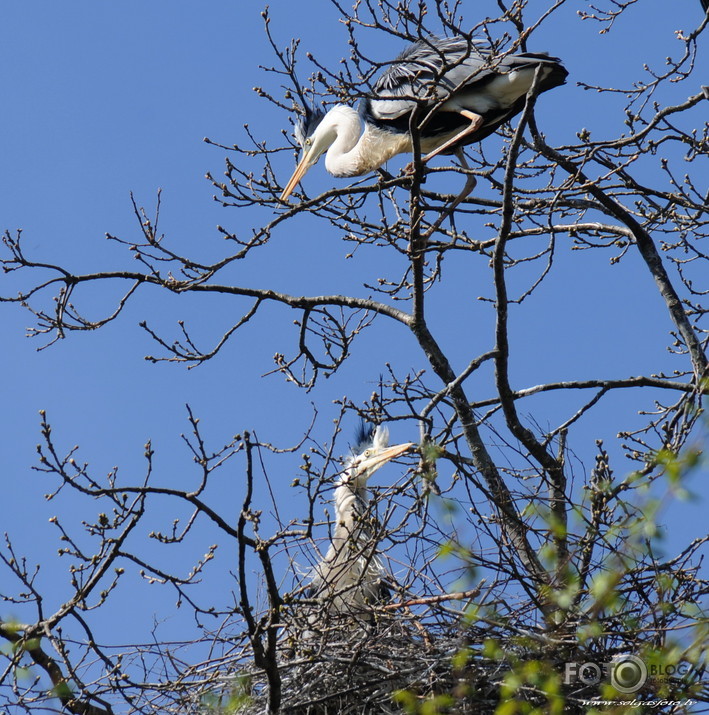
466,89
351,575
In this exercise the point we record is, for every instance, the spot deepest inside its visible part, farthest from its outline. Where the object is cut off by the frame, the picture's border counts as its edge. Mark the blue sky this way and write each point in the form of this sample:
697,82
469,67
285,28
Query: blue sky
104,99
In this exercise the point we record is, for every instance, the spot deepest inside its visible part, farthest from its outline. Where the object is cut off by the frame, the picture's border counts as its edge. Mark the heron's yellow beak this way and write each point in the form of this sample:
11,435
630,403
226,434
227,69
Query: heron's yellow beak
385,456
309,158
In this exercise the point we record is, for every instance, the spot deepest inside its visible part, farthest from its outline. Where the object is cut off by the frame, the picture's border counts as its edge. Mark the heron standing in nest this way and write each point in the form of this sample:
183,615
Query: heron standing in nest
351,576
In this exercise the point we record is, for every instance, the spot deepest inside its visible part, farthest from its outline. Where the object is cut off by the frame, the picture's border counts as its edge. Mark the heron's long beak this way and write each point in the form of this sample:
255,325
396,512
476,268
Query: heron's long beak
303,165
386,455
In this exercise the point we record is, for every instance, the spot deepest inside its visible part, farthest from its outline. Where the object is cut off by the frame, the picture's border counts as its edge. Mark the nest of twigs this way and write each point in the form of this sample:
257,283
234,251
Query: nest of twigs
387,659
374,663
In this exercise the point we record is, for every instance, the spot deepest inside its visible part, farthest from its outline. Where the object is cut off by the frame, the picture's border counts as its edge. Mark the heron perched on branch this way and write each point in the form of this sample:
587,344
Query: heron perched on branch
459,89
351,575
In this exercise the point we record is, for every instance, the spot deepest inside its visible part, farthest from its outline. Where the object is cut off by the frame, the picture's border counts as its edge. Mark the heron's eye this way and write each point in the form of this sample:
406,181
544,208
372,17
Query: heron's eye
308,142
367,452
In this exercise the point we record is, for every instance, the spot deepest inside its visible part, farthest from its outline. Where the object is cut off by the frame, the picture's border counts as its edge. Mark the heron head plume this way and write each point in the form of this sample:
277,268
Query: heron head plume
306,124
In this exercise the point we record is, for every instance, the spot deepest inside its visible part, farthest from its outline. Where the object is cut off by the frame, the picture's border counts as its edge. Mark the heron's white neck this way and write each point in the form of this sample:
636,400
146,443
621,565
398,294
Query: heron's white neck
351,497
355,151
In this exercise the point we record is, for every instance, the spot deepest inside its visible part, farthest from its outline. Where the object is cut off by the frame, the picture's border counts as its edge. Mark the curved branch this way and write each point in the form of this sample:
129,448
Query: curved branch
551,465
646,248
590,384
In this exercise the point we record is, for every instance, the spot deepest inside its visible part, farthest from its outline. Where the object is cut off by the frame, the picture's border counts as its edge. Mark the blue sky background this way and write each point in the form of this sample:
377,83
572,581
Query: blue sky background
101,99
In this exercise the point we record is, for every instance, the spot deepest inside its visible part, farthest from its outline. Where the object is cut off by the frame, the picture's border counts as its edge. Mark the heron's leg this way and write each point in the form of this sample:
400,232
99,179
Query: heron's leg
475,121
470,183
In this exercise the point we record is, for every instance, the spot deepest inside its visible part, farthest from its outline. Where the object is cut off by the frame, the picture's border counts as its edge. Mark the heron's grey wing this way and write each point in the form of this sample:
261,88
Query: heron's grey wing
466,75
498,92
496,83
523,60
425,70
